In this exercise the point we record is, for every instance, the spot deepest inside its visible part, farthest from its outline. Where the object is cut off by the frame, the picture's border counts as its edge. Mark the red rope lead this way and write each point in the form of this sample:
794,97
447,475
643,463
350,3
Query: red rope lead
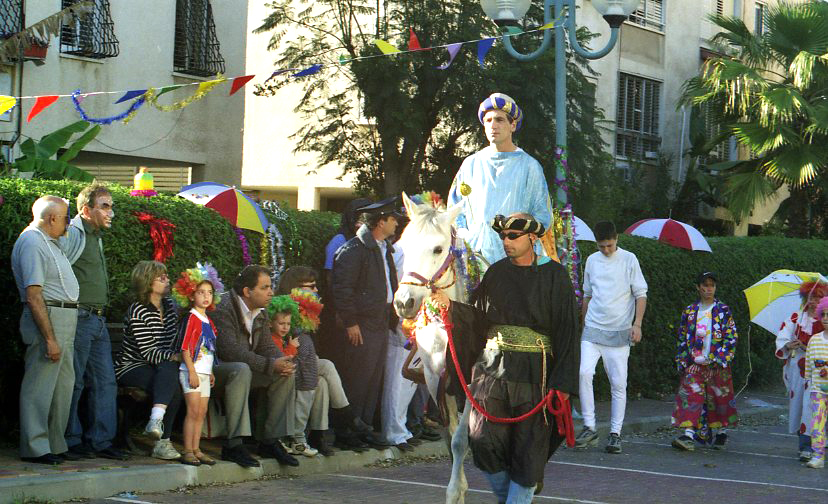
562,414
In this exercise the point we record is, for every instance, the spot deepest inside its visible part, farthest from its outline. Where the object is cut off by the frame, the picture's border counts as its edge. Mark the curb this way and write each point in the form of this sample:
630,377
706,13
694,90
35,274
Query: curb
101,483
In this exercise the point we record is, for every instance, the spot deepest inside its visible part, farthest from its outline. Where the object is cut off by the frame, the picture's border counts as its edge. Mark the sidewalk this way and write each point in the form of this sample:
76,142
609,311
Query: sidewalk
100,478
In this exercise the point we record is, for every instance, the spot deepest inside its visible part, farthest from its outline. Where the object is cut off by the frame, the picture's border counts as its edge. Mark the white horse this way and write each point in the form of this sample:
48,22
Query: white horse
430,246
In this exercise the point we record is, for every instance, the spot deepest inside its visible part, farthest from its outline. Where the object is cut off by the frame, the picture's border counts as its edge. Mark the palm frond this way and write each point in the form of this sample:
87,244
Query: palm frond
745,187
797,166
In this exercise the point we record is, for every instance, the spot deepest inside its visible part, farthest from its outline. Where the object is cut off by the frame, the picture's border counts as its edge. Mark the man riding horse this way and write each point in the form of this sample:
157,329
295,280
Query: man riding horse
499,179
526,310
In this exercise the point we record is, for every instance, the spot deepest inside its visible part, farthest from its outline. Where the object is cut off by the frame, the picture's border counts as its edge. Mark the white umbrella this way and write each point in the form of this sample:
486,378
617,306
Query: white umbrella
582,231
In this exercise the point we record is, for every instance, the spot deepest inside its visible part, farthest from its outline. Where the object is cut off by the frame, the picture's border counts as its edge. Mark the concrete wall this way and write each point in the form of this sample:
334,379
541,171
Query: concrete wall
207,135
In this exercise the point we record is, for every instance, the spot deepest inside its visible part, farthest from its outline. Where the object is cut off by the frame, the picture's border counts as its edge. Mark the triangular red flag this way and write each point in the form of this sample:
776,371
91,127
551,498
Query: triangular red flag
41,104
238,82
413,41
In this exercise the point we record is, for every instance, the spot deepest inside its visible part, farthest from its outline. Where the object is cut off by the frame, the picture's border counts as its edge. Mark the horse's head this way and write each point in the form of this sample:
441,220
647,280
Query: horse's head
427,245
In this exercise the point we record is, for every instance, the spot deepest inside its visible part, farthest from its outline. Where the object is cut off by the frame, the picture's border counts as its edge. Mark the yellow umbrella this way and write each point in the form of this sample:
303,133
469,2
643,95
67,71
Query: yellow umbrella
774,298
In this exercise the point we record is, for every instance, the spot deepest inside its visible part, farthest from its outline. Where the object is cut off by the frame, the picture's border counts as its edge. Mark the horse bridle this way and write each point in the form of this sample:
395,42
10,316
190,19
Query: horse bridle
448,264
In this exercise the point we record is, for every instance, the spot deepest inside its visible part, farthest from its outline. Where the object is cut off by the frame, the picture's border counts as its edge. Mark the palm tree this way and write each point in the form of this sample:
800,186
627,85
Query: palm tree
770,91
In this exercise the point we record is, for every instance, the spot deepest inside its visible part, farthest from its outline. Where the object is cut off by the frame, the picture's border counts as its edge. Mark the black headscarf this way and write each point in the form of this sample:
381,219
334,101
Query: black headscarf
350,217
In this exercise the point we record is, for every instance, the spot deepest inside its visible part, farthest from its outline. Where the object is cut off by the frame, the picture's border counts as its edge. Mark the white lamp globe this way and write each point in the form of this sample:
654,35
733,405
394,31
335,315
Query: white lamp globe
615,12
505,12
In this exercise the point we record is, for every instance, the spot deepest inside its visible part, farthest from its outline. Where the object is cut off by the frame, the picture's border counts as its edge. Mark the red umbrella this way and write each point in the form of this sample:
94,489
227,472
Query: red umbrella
671,232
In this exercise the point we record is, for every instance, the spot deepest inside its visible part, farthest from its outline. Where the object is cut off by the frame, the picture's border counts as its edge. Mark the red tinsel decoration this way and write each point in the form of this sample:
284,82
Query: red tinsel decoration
161,232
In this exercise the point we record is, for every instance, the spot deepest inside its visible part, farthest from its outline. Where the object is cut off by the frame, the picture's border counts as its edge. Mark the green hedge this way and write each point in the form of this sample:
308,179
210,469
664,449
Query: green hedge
200,235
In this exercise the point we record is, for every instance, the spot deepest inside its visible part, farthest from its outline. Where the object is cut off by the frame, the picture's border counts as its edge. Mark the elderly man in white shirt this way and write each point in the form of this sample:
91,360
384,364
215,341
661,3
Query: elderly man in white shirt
615,297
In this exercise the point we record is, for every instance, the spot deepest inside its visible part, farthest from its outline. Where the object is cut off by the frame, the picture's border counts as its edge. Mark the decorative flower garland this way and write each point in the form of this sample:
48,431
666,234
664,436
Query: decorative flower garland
566,229
161,233
244,246
77,97
277,254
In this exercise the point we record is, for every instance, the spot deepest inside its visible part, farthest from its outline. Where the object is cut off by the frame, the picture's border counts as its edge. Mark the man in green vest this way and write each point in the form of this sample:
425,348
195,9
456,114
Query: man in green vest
94,371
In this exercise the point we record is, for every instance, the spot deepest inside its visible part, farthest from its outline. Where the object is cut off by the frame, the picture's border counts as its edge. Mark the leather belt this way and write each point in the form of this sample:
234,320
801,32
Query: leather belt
95,310
61,304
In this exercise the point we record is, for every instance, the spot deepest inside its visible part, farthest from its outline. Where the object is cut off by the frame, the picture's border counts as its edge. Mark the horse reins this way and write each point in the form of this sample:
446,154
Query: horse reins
448,264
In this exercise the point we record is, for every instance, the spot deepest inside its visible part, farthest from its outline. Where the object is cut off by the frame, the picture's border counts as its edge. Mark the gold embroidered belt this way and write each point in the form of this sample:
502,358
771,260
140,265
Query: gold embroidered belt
518,339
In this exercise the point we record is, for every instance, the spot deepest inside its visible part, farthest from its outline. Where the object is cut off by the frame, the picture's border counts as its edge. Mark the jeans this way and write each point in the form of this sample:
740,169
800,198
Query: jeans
508,491
161,382
95,373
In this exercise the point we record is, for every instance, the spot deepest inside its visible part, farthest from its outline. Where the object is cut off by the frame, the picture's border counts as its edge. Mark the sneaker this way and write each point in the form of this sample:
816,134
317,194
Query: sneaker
155,428
304,449
720,441
805,455
587,437
165,450
816,463
613,443
683,442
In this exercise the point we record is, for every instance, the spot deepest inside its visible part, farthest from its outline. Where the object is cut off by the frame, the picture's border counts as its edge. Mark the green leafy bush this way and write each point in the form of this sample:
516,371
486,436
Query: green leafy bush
200,235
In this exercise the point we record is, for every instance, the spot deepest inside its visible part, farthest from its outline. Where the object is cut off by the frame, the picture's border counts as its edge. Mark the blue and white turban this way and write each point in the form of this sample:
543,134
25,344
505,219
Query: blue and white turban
500,101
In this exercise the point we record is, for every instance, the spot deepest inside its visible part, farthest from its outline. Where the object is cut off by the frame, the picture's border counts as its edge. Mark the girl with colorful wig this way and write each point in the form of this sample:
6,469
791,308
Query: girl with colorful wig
791,346
816,374
200,290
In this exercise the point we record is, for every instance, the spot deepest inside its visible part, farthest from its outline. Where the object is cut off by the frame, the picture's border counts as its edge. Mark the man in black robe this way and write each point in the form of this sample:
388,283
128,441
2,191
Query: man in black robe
525,313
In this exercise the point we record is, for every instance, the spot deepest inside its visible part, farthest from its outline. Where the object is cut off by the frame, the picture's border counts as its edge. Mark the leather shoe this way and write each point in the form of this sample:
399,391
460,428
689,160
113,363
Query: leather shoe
239,455
83,451
358,425
317,440
373,441
405,447
414,441
70,455
348,441
277,452
429,434
112,453
48,459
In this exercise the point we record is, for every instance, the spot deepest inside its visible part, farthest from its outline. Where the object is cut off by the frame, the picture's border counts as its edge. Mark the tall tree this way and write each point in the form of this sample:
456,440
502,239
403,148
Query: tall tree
771,91
400,123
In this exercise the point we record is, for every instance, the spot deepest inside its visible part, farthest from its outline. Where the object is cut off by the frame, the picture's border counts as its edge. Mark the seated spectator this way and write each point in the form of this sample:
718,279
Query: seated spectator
247,358
146,359
318,385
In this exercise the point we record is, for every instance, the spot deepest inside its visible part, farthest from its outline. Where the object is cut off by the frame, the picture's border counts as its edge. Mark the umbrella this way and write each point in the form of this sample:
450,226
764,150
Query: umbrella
774,298
671,232
229,202
582,231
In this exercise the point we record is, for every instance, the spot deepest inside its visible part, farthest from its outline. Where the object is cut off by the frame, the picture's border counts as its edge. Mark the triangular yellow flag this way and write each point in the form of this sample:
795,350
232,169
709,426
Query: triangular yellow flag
385,47
6,103
547,26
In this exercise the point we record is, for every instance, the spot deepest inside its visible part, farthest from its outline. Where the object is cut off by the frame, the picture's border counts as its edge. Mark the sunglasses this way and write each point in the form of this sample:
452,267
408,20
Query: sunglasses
510,236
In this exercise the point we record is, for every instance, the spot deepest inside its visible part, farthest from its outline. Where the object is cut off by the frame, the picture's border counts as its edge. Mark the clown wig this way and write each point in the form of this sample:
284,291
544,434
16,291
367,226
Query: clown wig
821,307
816,290
189,280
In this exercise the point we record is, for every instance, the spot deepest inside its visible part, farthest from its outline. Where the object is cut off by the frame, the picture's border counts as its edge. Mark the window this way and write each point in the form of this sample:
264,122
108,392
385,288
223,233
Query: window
759,14
92,36
650,13
637,129
10,17
197,50
720,7
713,128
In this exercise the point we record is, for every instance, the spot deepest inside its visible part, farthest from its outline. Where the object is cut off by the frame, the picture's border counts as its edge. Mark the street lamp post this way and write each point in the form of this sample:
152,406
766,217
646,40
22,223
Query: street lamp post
508,12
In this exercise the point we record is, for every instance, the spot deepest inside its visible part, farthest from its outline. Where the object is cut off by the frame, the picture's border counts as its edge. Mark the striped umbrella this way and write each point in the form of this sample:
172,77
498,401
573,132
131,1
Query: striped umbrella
229,202
772,299
671,232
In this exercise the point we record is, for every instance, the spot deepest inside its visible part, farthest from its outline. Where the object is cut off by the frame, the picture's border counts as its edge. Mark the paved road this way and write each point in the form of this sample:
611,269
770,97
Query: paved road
758,467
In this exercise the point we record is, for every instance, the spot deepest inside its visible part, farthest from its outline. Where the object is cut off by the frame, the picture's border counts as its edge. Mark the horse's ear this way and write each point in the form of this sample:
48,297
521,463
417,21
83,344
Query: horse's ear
410,206
451,213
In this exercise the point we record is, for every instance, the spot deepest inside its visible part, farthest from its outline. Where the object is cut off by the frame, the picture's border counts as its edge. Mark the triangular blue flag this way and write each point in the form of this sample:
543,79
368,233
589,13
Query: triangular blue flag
135,93
453,49
308,71
483,48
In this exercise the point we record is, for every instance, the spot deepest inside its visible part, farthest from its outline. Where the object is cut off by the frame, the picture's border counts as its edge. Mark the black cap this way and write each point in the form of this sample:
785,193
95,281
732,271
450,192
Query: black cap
705,275
388,206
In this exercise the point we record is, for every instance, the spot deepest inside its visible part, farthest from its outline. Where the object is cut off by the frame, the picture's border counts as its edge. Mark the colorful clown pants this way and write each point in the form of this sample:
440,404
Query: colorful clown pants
819,410
705,389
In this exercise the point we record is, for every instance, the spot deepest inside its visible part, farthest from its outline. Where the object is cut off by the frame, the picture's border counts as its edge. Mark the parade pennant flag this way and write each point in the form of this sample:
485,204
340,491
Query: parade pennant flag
483,48
343,59
167,89
514,30
41,104
385,47
6,103
130,95
308,71
547,26
239,82
453,49
413,41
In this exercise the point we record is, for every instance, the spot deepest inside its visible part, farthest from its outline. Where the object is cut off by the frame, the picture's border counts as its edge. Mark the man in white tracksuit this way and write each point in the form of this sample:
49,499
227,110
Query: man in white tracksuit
615,297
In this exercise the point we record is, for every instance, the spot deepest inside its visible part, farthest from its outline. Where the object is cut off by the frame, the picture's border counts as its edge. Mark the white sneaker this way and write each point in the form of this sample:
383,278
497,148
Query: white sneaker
816,463
165,450
805,455
304,449
155,428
